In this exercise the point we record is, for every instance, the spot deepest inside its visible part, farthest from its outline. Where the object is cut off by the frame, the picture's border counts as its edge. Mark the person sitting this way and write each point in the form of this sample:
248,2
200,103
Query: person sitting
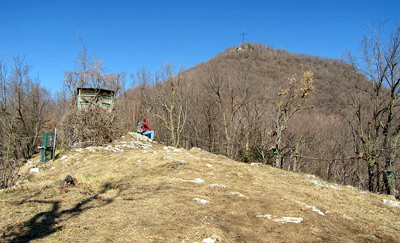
147,130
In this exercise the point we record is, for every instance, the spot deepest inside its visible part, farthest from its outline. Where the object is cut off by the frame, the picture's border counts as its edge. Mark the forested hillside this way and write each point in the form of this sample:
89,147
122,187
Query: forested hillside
255,103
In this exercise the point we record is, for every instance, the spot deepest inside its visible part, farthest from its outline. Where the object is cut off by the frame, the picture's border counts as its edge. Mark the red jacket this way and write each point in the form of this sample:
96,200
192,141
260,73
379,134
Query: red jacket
146,127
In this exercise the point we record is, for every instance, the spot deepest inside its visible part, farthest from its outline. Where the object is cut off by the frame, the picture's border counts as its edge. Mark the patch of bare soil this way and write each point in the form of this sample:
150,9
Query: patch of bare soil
138,191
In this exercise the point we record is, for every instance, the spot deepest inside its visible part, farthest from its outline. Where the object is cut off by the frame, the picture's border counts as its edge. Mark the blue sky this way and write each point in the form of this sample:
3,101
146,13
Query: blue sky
129,35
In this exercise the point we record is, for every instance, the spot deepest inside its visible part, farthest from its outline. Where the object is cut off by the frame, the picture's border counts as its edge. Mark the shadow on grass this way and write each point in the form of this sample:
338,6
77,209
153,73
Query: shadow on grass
45,223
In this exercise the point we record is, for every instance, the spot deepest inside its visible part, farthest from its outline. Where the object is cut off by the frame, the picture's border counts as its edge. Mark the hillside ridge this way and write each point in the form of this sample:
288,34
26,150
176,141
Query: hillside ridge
134,190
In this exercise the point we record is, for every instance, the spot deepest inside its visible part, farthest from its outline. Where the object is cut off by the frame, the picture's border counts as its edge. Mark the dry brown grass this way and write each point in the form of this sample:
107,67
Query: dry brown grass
140,195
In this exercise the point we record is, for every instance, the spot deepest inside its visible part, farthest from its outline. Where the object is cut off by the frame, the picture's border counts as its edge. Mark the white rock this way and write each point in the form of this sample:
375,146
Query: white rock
197,180
281,220
255,164
139,161
34,170
217,186
267,216
239,195
201,201
29,161
208,165
318,183
391,203
181,162
211,239
336,187
322,184
313,208
288,220
240,174
310,176
63,157
167,157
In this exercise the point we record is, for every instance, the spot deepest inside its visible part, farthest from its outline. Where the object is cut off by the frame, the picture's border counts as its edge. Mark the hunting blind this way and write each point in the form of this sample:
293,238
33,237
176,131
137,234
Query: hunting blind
95,96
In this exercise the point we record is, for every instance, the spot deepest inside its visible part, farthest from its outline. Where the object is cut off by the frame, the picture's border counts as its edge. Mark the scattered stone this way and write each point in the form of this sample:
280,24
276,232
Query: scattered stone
288,220
208,165
318,183
197,149
63,157
391,203
34,170
139,161
322,184
197,180
282,219
240,174
113,149
43,218
180,162
29,161
78,150
52,168
176,150
310,176
313,208
93,149
218,186
201,201
211,239
139,137
267,216
256,164
336,187
239,195
167,157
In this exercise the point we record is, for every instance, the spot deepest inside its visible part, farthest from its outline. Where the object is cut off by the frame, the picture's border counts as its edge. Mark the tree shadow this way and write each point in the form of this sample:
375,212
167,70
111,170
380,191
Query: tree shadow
46,223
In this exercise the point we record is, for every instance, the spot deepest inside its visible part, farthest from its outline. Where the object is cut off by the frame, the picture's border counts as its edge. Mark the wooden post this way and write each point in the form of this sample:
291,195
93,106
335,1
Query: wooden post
54,144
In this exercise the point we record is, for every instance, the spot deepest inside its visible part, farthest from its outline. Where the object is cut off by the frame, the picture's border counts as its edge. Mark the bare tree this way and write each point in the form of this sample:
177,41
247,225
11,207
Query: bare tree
290,100
171,102
230,88
377,112
22,116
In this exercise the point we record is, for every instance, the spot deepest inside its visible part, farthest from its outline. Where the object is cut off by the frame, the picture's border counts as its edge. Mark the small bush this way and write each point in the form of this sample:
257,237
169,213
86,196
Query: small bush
8,172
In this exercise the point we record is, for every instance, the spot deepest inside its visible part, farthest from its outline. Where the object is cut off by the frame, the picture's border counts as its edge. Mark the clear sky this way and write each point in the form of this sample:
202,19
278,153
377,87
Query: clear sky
129,35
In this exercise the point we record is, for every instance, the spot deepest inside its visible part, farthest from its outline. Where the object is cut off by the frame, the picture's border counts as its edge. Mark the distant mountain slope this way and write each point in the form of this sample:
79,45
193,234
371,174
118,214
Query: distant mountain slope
137,191
270,67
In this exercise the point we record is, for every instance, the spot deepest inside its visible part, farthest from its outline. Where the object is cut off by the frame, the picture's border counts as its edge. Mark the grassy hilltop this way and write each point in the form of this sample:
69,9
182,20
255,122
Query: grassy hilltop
137,191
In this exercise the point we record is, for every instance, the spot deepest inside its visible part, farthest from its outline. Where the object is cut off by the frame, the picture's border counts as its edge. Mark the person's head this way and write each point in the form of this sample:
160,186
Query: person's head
144,120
